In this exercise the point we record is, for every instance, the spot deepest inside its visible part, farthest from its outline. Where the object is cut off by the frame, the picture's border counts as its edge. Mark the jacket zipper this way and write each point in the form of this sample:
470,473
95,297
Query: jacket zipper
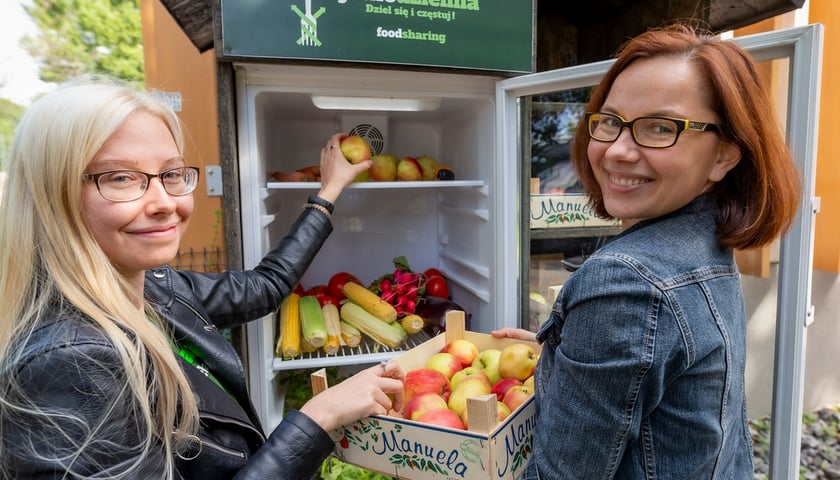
233,421
207,325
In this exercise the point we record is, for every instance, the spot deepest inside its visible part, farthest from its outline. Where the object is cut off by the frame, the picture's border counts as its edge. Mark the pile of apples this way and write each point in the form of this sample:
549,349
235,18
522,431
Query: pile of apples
437,393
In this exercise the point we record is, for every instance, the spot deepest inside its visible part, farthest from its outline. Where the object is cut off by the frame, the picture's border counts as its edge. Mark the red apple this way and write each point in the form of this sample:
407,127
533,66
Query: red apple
443,417
471,387
516,396
517,360
409,170
463,349
488,360
421,403
423,380
445,363
465,373
355,149
384,168
501,387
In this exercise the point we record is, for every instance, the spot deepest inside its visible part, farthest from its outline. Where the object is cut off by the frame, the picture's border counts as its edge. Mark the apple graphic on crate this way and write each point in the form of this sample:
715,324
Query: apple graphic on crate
516,396
445,363
424,380
488,360
409,170
421,403
443,417
501,387
384,168
471,387
518,360
355,149
463,349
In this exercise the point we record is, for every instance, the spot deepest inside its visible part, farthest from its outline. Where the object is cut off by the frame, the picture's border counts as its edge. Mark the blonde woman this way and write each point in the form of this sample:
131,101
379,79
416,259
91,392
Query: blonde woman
111,364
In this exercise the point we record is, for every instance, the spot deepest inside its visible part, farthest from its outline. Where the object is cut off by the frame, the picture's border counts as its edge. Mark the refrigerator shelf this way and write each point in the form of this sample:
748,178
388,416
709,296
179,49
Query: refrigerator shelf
379,185
368,351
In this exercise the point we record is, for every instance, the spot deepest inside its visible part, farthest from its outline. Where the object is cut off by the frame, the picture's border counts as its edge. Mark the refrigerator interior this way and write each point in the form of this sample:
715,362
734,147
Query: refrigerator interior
441,224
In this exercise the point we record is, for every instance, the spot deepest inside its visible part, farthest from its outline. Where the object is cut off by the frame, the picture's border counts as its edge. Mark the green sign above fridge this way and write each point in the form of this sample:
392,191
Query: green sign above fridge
494,35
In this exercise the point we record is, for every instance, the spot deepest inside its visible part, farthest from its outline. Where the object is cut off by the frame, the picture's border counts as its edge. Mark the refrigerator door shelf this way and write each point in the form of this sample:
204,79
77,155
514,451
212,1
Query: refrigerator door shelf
379,185
368,351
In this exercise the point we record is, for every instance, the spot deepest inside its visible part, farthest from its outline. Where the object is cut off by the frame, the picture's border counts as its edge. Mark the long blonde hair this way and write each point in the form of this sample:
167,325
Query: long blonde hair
47,253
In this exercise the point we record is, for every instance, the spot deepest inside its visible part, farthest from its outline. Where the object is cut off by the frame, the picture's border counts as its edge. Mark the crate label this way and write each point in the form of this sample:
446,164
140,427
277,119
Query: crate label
412,450
564,211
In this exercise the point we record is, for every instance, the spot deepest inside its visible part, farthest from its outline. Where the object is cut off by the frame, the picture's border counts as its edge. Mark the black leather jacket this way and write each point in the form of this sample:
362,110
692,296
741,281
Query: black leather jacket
62,367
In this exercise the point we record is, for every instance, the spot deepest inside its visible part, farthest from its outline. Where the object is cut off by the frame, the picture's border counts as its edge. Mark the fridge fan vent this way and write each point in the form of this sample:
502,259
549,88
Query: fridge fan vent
372,135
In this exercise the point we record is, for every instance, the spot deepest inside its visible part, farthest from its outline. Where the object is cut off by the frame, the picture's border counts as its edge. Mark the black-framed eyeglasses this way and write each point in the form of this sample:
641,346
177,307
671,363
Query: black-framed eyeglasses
128,185
651,132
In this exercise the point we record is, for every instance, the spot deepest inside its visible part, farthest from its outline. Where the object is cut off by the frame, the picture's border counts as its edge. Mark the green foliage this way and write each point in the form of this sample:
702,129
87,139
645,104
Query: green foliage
86,36
298,392
10,114
335,469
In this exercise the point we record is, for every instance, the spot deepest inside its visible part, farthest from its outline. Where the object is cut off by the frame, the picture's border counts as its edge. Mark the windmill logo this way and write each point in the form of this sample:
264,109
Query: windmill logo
308,25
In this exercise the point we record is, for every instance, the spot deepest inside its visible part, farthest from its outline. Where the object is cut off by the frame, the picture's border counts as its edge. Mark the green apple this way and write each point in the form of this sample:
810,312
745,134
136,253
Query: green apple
488,360
465,373
471,387
409,170
384,168
428,165
355,149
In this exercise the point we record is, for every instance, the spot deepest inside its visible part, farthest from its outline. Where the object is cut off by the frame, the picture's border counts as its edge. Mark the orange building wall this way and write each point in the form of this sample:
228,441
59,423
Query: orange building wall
826,243
827,224
168,55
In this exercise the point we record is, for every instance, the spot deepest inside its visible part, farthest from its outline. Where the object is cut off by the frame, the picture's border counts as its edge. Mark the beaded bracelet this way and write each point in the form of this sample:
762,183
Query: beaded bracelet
320,201
320,208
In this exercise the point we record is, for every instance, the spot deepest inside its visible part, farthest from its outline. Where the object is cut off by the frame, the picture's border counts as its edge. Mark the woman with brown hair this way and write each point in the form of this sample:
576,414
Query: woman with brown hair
642,370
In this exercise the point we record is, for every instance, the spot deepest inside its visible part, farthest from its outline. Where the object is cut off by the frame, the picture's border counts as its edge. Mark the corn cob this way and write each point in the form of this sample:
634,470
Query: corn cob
288,345
312,321
306,347
370,302
412,323
333,324
351,335
389,334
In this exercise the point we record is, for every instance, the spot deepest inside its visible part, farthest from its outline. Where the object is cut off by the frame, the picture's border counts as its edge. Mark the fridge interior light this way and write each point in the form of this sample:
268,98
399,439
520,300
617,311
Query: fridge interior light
332,102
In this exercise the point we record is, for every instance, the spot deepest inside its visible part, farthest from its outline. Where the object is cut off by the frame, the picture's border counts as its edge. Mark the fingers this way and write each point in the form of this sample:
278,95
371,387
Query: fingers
515,333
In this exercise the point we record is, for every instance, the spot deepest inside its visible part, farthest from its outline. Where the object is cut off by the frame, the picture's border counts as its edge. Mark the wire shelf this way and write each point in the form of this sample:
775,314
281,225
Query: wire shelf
368,351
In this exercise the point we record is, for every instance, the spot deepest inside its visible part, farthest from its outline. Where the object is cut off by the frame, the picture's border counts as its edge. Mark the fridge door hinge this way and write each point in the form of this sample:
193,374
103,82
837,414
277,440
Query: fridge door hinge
809,317
213,179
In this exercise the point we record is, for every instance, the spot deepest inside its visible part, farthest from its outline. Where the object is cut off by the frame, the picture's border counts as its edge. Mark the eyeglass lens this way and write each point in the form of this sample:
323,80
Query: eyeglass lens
126,185
647,131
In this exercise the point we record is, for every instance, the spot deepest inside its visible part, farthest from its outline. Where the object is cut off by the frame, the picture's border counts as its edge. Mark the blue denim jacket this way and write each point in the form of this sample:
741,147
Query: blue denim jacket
642,369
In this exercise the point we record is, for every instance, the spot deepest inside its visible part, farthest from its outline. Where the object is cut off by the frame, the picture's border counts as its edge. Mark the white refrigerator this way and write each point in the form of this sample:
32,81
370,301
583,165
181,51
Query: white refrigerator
473,228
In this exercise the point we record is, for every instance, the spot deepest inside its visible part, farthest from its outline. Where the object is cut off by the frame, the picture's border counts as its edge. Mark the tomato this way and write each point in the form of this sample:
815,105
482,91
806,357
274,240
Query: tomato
316,290
336,284
325,298
437,287
433,272
299,290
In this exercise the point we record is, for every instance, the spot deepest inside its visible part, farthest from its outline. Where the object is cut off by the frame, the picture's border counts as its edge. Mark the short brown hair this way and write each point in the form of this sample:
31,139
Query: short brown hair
757,199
